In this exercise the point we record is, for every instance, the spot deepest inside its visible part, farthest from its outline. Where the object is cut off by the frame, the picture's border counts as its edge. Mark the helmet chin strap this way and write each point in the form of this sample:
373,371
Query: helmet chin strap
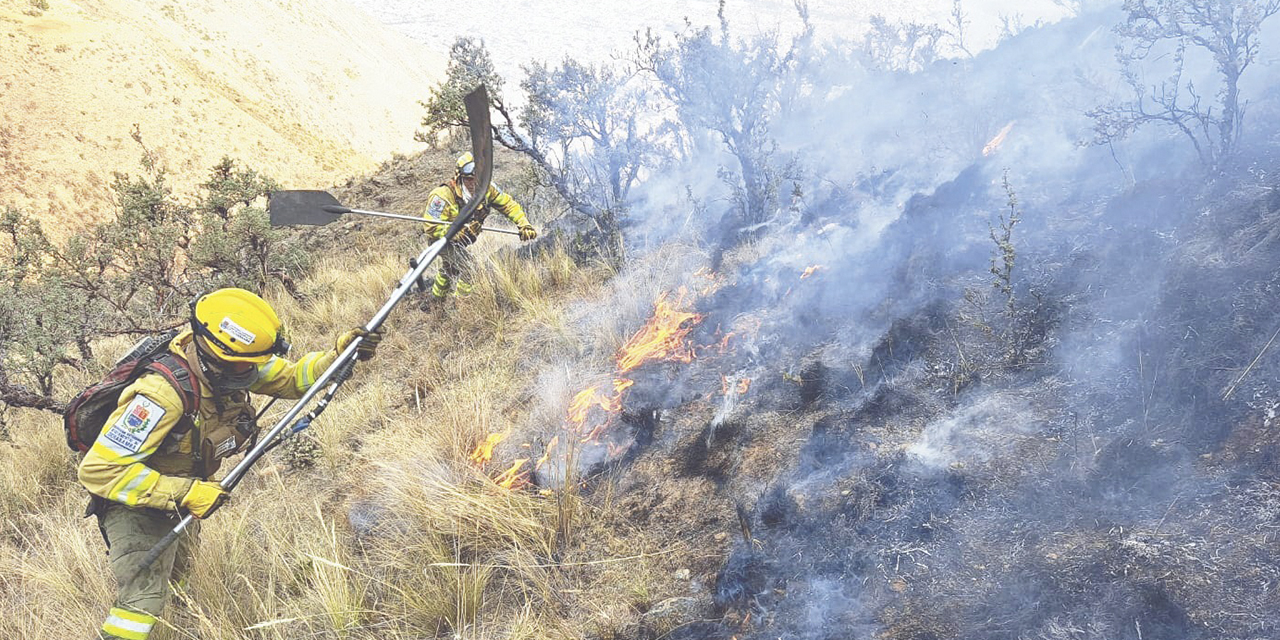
220,379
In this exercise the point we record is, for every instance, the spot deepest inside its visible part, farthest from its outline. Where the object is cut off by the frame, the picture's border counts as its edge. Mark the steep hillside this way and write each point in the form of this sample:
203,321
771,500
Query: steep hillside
966,379
307,91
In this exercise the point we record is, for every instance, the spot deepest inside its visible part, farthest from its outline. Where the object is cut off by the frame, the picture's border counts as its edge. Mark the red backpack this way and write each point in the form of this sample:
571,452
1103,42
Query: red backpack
87,413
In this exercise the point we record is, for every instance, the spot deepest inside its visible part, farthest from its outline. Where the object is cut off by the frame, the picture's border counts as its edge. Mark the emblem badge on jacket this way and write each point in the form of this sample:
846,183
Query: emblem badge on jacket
130,431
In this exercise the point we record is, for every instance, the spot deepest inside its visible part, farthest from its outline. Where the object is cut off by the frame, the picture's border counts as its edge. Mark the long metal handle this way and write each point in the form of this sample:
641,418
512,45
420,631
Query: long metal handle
165,542
348,354
425,220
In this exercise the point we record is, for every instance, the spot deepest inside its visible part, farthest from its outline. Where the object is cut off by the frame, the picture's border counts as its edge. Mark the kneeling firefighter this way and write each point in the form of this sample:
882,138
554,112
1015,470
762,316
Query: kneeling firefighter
443,204
188,409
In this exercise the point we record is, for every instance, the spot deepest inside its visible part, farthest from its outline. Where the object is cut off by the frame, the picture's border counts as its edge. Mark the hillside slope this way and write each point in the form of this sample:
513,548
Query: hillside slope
308,91
889,415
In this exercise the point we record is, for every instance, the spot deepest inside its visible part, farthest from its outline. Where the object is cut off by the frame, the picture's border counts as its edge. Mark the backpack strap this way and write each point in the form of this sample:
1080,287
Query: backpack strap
178,373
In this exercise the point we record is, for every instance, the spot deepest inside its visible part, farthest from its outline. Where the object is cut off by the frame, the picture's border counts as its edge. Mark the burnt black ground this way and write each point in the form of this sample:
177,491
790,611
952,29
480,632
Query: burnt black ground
1076,499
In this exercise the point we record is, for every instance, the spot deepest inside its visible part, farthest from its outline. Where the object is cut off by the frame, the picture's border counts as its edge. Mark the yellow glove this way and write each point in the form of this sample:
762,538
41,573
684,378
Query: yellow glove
203,498
368,346
527,232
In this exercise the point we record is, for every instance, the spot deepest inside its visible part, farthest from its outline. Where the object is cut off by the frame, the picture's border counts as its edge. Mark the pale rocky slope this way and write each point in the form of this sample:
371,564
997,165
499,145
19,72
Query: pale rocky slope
307,91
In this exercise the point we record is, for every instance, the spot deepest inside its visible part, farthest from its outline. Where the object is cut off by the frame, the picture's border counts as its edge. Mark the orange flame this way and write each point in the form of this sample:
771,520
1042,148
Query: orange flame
714,280
741,386
810,271
591,397
622,384
513,478
551,446
724,342
483,452
580,407
994,145
662,338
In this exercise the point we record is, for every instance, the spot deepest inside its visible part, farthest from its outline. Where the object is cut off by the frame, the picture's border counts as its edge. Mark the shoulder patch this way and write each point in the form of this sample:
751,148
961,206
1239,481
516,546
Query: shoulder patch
435,208
131,429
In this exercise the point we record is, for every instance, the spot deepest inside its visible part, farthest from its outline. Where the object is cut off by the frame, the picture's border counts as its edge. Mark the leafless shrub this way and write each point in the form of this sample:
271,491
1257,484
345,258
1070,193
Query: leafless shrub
1177,35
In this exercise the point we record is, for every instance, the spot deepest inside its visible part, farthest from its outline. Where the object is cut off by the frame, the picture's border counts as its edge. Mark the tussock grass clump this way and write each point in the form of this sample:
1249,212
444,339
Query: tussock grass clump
53,571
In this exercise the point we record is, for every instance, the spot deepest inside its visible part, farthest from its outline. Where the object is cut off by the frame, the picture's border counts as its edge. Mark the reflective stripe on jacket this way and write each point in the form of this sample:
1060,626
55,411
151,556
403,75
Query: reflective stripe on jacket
147,456
443,203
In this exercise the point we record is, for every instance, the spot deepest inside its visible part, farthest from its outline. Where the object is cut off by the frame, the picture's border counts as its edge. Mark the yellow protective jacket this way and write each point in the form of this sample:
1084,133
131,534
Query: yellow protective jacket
147,455
443,203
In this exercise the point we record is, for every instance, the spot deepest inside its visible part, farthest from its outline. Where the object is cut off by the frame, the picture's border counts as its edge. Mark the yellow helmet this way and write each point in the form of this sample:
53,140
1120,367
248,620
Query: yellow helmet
238,326
466,165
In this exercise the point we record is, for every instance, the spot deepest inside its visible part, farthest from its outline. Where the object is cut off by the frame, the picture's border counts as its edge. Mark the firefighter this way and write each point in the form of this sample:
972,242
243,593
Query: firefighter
443,203
153,461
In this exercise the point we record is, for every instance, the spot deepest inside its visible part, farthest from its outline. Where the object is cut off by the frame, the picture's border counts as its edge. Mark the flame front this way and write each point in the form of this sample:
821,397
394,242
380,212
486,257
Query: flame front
739,385
593,410
512,478
551,446
810,271
591,397
662,338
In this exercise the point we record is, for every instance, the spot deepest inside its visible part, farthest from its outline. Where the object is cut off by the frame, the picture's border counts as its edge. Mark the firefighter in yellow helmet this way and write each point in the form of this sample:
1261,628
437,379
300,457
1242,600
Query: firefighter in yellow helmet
156,454
444,202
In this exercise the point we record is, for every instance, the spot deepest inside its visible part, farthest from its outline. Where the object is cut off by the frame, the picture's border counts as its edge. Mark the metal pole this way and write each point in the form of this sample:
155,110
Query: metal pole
425,220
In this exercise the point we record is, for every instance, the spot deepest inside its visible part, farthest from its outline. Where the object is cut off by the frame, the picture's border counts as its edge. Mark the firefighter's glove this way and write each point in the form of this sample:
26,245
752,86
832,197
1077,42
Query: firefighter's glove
527,232
203,498
368,346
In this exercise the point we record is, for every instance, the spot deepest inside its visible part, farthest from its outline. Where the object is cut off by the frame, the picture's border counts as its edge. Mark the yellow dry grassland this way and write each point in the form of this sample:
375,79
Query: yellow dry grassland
380,527
307,91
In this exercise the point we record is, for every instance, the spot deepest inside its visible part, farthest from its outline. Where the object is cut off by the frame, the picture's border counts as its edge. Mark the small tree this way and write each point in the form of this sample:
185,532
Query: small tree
956,28
903,46
133,265
1172,30
42,321
1005,255
590,116
470,66
592,105
238,246
1013,313
732,89
130,275
579,127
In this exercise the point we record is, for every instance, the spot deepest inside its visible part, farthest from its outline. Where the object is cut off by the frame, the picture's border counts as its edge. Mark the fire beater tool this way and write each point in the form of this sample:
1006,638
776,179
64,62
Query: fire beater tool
477,104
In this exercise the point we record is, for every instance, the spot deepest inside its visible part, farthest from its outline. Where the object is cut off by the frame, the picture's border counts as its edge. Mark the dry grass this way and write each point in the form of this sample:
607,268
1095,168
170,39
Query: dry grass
393,533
